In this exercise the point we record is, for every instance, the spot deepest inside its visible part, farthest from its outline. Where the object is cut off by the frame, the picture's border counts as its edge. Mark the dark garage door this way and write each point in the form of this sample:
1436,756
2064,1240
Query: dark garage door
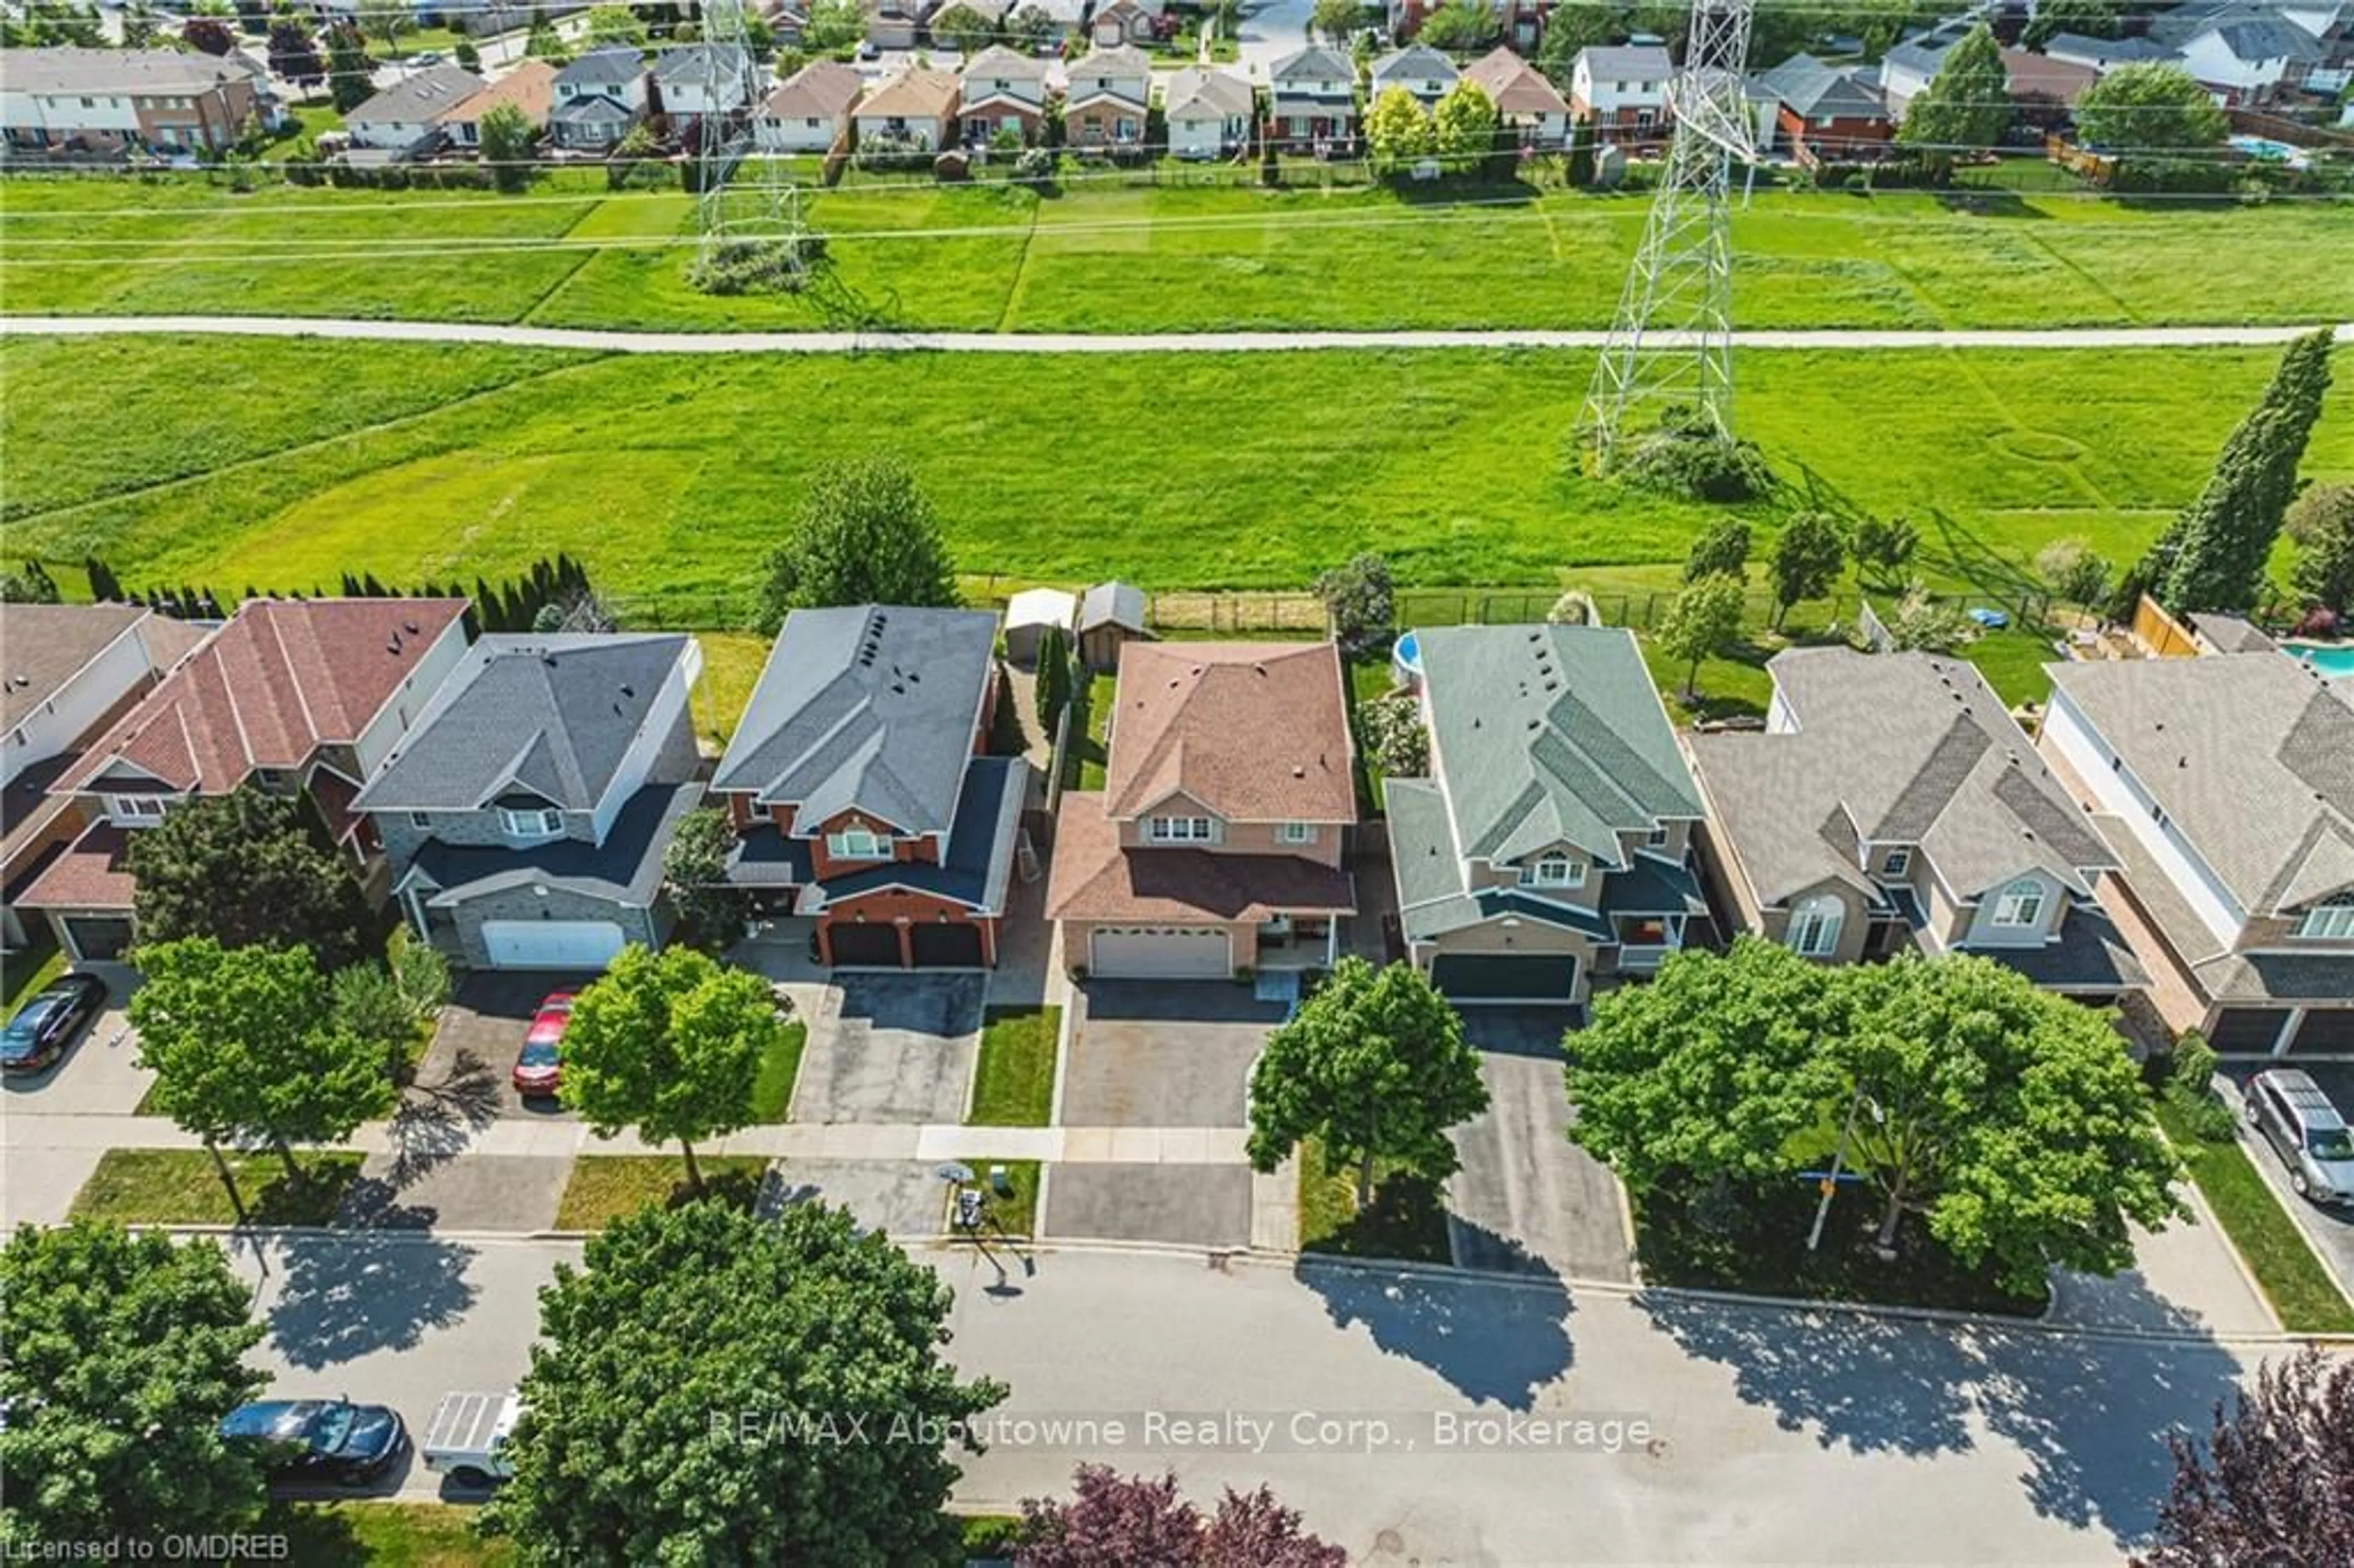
952,946
2327,1030
2247,1028
1520,977
868,945
98,938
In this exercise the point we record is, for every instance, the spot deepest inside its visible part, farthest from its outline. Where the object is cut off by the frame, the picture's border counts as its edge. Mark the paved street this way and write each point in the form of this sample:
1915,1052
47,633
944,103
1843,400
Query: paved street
1783,1437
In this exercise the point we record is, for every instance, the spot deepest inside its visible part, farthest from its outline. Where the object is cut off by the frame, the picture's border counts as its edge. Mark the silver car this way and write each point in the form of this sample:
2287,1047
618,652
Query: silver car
2307,1132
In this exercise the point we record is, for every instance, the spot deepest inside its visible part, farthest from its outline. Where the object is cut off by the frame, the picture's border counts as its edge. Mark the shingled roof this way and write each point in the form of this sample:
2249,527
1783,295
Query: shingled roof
1253,731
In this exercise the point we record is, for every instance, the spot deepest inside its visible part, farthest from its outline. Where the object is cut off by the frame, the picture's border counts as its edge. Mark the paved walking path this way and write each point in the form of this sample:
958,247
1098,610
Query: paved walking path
1125,343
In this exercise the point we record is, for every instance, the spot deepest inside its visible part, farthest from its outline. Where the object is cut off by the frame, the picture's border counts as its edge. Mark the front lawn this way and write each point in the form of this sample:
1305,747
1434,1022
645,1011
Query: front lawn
604,1187
1019,1213
772,1086
1013,1083
182,1187
25,971
1755,1241
1406,1222
385,1534
2303,1295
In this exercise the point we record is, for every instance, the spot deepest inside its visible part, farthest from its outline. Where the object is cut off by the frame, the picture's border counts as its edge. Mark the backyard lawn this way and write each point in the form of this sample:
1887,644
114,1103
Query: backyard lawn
990,257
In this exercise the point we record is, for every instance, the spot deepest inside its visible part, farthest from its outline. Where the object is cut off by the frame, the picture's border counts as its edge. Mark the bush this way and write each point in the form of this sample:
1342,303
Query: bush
883,151
1034,166
1392,735
991,1535
1697,467
2191,1090
758,265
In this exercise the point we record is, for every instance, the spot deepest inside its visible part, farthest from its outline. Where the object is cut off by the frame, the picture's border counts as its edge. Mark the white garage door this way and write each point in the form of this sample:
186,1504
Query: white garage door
551,944
1158,952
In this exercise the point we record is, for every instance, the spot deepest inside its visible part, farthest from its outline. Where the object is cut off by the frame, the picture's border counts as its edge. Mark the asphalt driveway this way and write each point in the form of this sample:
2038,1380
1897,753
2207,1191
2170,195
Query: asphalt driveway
1182,1205
2330,1230
1162,1054
892,1048
474,1046
98,1075
1526,1198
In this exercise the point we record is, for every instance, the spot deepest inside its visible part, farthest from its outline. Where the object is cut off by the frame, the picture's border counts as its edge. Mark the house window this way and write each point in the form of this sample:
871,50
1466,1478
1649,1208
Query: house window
1658,837
1178,830
135,807
858,843
419,821
1295,834
1899,861
1644,931
1554,871
1814,926
2022,903
545,824
2332,921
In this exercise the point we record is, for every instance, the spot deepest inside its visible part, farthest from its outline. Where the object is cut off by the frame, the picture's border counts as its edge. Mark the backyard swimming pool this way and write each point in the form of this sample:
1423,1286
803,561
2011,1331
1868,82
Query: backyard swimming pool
2335,660
2270,150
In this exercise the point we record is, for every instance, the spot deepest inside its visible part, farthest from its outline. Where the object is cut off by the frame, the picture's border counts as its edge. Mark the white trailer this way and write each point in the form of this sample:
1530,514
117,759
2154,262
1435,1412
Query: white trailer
466,1440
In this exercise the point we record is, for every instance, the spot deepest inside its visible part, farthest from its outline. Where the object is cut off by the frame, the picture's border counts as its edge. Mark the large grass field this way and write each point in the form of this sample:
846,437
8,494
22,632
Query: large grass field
237,463
1112,255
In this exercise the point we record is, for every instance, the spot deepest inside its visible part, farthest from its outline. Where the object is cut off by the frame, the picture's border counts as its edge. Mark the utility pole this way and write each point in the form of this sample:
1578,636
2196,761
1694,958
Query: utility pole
736,204
1671,341
1838,1158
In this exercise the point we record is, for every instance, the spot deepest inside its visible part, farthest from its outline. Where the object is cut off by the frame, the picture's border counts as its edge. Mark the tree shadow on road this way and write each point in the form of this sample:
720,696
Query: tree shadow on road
2088,1413
351,1295
1493,1341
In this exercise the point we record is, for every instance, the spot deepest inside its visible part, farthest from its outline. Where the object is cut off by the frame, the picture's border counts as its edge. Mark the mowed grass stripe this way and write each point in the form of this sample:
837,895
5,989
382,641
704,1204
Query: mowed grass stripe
673,476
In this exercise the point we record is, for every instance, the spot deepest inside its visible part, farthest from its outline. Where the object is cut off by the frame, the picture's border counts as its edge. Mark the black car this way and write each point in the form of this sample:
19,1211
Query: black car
48,1023
318,1440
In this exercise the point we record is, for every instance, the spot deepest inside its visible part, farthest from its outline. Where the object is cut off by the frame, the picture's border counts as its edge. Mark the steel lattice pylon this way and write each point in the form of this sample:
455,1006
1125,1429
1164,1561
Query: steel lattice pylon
742,199
1671,341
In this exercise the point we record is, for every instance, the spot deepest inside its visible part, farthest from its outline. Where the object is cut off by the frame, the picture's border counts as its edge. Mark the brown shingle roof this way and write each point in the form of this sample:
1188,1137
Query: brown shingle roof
1516,86
819,91
913,95
94,873
282,679
1093,879
1257,732
530,87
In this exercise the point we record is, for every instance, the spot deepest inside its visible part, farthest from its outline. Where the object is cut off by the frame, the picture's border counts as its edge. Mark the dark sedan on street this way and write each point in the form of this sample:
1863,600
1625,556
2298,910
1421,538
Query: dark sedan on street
318,1441
49,1021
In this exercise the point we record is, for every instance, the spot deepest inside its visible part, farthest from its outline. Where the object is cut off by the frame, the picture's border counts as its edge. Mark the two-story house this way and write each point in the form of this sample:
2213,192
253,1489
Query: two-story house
1002,91
71,99
864,803
1890,803
1109,98
917,106
1312,102
1208,112
809,111
526,811
1423,72
2246,53
293,696
597,98
1115,22
695,83
1550,845
1822,111
1218,844
2225,783
1621,91
67,671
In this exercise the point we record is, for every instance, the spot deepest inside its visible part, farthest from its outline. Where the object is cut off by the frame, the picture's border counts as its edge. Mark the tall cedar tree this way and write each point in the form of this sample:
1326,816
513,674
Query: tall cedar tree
2212,556
1374,1065
2275,1482
1053,685
866,536
695,868
785,1324
1966,106
351,72
245,1043
248,868
124,1352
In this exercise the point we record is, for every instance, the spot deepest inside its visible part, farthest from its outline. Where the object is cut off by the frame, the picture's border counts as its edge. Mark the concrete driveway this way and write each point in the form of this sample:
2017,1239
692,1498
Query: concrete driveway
1526,1198
98,1075
891,1048
480,1031
897,1197
1162,1054
2330,1230
1183,1205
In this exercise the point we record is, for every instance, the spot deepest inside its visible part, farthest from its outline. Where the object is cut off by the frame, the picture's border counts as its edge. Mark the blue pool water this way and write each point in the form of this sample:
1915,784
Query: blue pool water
2335,661
2270,150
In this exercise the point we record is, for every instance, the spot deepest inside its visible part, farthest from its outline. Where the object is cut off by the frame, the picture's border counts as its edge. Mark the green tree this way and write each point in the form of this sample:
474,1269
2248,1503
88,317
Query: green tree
2322,525
2005,1116
1808,558
506,138
2212,556
611,25
1699,621
419,973
1713,1068
2151,105
835,25
1884,547
468,57
124,1353
1573,28
866,536
31,586
667,1043
245,1043
1054,685
1374,1065
1460,26
543,42
677,1368
1334,21
1465,122
2084,19
246,868
2071,569
1722,551
1398,130
1923,623
351,70
365,1001
1966,106
1359,600
138,27
964,29
294,51
694,875
1390,729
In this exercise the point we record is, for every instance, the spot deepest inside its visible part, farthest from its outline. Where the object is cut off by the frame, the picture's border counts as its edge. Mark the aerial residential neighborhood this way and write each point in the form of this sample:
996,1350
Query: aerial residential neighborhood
1166,785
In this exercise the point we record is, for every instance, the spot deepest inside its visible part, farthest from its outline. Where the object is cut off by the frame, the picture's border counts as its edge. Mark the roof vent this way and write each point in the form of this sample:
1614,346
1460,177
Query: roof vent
392,644
409,627
549,659
628,690
1297,771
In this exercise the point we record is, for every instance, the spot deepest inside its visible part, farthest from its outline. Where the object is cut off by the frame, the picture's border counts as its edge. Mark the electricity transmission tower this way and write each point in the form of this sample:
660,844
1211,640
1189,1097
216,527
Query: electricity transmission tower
740,199
1671,341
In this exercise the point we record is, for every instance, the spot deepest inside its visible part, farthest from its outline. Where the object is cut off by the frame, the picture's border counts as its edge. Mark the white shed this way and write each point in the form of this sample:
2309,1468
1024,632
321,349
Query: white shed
1027,616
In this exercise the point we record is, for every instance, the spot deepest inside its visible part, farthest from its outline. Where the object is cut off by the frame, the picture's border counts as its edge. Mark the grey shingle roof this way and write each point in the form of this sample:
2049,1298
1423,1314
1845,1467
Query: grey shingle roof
872,707
1113,603
1313,64
1628,62
417,98
548,716
2250,755
1547,734
1432,898
626,868
692,62
2109,51
1820,90
2229,633
135,72
1892,748
611,67
48,645
1416,62
1226,95
980,845
2252,33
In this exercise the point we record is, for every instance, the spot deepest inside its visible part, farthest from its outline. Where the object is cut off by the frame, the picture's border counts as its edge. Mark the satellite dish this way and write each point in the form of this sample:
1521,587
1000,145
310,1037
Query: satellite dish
953,1172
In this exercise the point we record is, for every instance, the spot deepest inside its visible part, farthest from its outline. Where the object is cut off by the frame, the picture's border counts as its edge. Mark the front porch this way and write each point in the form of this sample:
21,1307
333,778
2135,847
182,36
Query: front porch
1296,942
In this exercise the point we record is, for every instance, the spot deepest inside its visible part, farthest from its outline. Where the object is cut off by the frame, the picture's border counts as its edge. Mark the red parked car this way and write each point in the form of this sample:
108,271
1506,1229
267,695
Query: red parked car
540,1067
